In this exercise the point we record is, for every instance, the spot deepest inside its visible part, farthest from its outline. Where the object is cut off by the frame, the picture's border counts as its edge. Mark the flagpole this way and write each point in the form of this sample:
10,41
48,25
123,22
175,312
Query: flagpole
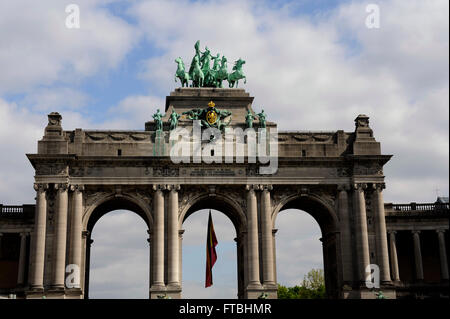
211,255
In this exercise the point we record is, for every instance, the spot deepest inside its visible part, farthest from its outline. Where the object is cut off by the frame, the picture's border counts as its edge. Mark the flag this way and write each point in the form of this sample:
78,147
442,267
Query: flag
211,255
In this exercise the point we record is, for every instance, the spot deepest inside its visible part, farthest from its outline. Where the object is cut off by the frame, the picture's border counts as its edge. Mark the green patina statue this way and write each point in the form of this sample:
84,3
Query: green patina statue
158,120
249,119
181,73
173,120
202,75
192,114
237,74
262,119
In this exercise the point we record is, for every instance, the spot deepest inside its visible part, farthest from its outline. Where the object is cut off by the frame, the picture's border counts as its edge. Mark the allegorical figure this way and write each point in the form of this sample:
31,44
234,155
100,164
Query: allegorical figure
262,119
181,73
249,119
158,120
173,120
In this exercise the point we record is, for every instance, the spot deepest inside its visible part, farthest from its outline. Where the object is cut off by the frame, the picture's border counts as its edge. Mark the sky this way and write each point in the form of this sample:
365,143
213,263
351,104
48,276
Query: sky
310,64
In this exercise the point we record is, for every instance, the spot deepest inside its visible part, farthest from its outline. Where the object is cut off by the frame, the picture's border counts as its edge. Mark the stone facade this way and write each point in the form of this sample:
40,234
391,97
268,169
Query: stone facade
337,177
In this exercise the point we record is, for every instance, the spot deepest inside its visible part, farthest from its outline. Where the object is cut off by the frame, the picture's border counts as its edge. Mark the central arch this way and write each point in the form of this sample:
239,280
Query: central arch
230,208
103,205
326,217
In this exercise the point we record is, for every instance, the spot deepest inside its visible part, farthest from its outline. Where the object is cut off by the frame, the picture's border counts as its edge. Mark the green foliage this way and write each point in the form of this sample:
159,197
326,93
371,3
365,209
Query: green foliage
312,287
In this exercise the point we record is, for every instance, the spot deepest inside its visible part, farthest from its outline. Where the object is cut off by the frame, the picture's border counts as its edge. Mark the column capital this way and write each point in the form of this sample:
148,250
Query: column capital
251,187
40,187
441,231
343,187
76,187
23,234
266,187
159,187
359,186
415,232
392,232
378,186
62,186
173,187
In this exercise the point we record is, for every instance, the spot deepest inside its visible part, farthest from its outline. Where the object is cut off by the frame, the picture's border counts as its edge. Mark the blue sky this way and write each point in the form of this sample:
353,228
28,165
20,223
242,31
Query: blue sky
311,65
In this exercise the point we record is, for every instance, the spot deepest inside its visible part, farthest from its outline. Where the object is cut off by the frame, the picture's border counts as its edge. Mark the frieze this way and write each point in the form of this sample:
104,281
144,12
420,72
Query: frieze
165,172
52,169
125,136
373,169
206,172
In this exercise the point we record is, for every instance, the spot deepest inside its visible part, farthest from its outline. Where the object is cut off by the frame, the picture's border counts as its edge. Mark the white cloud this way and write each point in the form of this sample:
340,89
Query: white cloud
37,49
16,139
61,99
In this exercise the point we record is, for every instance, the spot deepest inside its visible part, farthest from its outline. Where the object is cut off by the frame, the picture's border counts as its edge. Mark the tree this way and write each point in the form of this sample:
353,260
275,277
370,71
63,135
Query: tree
312,287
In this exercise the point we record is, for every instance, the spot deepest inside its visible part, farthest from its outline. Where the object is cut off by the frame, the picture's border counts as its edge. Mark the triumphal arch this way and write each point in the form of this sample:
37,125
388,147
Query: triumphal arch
337,177
210,149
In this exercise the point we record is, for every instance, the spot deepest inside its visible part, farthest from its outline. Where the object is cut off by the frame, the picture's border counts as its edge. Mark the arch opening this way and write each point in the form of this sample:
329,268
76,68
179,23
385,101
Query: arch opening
117,250
228,269
323,225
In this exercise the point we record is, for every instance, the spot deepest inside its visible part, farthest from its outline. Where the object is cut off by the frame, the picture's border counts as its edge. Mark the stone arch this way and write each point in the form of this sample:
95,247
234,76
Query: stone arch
112,201
313,205
327,219
220,202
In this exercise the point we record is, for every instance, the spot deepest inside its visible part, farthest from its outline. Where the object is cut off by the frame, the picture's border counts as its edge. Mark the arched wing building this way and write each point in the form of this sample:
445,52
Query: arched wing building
337,177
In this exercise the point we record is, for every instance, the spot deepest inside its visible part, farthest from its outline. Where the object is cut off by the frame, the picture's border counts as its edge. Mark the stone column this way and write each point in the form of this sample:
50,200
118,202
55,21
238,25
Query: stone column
443,254
38,249
362,238
180,255
88,241
60,239
394,259
1,235
418,255
173,238
381,237
151,252
158,236
76,233
149,241
267,241
252,239
346,243
22,259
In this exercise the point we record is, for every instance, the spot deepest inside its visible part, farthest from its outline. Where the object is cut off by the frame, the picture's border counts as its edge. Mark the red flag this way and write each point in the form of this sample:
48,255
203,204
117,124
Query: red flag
211,255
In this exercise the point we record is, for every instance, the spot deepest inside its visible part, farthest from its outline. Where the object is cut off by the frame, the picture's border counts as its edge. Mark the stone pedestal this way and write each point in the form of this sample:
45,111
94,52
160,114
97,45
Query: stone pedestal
158,147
